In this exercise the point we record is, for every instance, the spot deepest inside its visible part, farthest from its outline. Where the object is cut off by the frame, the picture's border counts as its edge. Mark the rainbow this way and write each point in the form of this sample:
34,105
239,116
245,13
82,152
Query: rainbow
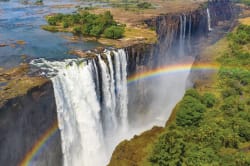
138,76
43,139
170,69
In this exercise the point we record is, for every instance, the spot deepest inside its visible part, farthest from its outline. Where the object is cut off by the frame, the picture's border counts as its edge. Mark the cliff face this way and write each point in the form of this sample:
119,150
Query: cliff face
23,121
188,28
179,35
173,29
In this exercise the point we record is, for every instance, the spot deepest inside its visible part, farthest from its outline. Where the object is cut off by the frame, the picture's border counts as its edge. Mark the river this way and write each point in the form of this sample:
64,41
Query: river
21,36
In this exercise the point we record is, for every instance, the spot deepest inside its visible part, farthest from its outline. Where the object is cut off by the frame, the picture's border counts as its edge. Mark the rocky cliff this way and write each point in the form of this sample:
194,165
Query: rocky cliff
179,35
23,121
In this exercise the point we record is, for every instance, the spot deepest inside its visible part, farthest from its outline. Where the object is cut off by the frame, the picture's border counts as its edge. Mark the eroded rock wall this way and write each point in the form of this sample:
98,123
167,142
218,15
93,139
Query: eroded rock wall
23,122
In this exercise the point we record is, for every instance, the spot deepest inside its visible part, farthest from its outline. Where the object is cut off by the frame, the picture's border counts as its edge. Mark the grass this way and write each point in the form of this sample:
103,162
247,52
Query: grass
149,36
131,36
245,21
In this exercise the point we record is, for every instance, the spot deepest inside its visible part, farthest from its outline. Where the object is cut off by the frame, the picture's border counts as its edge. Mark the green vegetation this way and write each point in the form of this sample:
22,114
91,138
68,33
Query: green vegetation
39,2
85,23
190,112
144,5
213,128
114,32
132,5
247,2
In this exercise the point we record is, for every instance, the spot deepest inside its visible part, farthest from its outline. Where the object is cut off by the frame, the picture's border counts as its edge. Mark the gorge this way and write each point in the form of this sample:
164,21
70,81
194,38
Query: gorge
89,105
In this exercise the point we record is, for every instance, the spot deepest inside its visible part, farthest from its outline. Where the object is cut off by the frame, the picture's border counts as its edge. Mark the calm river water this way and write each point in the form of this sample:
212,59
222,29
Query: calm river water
20,22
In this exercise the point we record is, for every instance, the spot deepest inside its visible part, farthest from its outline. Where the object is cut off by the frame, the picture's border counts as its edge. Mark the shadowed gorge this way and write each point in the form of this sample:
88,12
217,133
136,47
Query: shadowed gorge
81,108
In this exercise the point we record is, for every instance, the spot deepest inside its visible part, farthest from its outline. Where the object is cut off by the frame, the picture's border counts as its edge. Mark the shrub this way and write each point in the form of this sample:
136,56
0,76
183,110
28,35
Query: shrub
65,24
168,150
39,2
193,93
195,154
96,30
114,32
209,100
77,30
86,28
231,105
230,140
190,112
52,21
244,130
144,5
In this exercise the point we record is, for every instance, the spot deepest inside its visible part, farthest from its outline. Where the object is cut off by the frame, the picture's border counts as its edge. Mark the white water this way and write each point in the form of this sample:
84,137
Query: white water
121,84
189,33
183,22
89,116
209,20
79,116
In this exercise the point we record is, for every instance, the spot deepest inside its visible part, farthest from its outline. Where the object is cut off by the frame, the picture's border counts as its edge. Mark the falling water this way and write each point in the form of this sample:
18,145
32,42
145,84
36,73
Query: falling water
209,20
190,28
79,115
183,22
121,84
89,116
189,33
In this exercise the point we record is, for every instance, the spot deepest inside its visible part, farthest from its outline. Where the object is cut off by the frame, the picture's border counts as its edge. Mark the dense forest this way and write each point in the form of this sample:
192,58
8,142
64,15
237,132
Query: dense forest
85,23
212,128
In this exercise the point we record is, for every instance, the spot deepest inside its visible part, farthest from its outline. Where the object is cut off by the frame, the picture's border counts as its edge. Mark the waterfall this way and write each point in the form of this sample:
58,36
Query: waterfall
112,91
209,20
190,28
183,22
122,101
184,27
79,118
189,33
91,107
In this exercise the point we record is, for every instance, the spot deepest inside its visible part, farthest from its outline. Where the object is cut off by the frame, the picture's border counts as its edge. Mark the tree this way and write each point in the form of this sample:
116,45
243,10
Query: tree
114,32
86,28
96,30
169,149
52,21
190,112
193,93
209,100
244,130
144,5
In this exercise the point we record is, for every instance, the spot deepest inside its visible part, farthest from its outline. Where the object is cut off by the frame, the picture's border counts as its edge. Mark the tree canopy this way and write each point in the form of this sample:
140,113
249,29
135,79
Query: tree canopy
85,23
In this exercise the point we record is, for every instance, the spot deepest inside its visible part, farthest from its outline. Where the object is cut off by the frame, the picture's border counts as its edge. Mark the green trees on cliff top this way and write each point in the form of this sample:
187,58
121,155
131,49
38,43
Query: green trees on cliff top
85,23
